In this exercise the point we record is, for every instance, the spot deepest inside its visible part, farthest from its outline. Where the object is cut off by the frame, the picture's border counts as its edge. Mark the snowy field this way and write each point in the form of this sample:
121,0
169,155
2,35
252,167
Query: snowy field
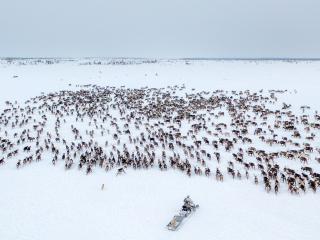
42,201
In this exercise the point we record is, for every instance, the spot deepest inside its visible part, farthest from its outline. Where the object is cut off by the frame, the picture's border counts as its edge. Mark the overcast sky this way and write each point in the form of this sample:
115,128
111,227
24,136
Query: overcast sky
160,28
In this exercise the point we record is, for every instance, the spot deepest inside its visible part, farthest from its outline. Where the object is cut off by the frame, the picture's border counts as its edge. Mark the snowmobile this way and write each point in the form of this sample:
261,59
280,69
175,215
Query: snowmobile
184,212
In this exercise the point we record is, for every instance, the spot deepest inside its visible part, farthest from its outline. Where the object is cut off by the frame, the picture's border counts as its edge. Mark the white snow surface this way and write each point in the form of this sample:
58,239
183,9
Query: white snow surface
42,201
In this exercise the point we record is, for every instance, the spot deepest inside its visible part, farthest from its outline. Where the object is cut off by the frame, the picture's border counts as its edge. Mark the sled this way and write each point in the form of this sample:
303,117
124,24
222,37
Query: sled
184,212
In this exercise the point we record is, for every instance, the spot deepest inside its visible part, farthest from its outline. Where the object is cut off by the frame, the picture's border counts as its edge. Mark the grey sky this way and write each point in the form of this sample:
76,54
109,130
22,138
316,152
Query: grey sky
160,28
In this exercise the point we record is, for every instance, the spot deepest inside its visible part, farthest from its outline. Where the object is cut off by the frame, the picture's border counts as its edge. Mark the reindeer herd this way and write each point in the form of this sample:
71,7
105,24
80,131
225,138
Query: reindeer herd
236,134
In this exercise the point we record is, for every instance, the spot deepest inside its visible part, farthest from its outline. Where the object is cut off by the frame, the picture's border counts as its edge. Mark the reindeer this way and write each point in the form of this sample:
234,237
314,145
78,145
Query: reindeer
120,170
239,174
309,169
268,187
231,171
255,180
276,189
89,169
189,172
207,172
18,164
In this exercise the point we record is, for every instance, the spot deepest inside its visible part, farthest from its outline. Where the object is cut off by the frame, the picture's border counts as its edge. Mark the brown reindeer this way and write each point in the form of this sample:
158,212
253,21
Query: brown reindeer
120,170
255,180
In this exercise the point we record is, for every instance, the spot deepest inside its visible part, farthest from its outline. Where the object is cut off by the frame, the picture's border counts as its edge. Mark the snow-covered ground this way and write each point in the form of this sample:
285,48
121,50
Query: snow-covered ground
42,201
